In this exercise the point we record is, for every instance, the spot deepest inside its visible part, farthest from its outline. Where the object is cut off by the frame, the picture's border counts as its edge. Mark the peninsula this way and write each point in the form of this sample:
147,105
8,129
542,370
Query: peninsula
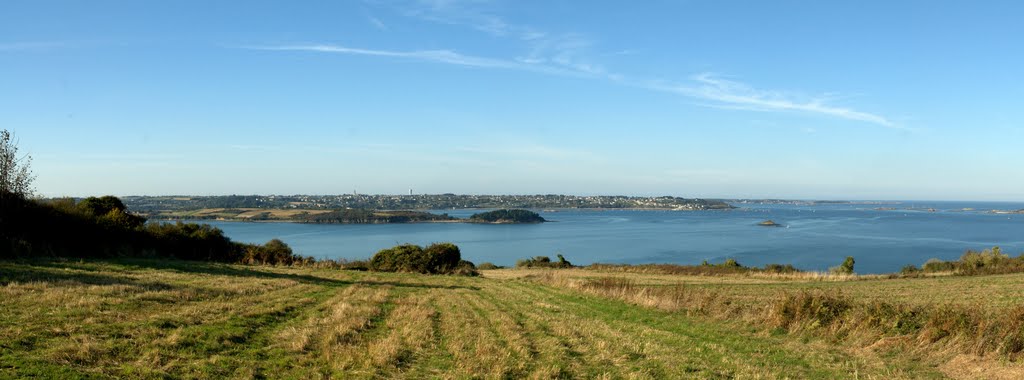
350,216
276,206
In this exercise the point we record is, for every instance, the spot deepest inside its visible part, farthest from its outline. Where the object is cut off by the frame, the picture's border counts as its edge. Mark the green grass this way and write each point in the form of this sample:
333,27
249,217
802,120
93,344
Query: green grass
146,318
988,291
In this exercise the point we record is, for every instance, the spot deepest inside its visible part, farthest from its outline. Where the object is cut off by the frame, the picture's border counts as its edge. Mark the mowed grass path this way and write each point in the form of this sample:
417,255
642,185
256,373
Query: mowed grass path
145,319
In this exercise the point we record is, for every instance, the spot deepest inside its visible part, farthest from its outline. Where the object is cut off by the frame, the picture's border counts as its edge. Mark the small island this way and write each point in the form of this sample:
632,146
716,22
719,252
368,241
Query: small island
1021,211
769,223
507,217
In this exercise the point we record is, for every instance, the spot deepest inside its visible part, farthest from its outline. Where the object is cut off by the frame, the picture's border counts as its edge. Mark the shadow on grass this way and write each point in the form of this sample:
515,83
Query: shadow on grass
53,272
86,272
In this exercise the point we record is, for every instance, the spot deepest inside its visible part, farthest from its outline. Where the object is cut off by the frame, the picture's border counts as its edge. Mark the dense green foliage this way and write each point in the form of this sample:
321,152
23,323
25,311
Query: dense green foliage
438,258
103,227
543,262
15,172
845,268
989,261
488,266
910,270
507,216
374,217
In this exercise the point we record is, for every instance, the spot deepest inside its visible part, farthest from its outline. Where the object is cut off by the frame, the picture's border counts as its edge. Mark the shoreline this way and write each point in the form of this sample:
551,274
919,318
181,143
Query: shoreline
435,212
195,220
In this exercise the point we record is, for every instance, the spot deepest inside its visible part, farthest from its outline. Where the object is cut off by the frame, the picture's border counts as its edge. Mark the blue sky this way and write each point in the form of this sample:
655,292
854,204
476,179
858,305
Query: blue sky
790,99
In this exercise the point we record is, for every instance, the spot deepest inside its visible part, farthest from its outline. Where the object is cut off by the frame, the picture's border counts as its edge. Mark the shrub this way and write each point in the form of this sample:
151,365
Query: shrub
845,268
121,219
102,205
562,262
543,262
488,266
360,265
440,258
989,261
910,270
400,258
936,265
779,268
273,252
443,258
465,268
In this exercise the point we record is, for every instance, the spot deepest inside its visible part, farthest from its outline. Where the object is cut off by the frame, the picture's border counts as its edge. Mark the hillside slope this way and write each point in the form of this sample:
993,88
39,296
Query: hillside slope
146,318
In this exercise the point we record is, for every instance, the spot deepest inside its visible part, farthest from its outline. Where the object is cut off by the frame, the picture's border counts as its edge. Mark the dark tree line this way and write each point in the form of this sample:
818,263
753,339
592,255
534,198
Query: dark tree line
103,227
352,216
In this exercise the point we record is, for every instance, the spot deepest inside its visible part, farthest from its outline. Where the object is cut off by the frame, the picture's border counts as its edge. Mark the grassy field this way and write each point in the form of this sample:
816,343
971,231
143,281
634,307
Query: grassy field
982,291
148,318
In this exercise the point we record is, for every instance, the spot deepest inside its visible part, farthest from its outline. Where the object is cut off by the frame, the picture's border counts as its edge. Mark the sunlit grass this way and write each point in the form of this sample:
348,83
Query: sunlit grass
148,318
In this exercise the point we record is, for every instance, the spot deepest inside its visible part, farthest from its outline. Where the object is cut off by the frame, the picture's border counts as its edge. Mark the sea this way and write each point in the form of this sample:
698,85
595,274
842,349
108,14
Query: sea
881,236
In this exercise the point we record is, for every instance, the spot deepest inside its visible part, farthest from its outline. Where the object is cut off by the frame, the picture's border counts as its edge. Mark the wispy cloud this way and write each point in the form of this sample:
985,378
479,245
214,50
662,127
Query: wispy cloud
731,94
470,13
569,53
713,89
565,52
438,56
718,92
531,150
29,46
377,23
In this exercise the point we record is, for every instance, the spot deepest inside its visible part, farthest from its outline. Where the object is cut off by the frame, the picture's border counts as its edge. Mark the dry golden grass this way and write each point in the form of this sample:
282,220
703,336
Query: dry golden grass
938,331
991,290
144,319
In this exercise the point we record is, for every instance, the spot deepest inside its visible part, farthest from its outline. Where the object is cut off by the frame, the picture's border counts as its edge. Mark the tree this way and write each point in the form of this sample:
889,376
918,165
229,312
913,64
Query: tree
15,172
562,262
845,268
102,205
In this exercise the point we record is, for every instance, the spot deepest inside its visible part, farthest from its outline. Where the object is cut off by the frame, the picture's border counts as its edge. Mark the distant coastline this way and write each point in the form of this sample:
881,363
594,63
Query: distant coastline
157,206
513,216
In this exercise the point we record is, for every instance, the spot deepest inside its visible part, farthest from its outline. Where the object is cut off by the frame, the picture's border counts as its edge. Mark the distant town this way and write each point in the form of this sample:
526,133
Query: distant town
155,204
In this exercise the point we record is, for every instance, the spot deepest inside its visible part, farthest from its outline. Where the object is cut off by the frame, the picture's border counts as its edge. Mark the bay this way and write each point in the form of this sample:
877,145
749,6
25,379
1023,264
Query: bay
881,237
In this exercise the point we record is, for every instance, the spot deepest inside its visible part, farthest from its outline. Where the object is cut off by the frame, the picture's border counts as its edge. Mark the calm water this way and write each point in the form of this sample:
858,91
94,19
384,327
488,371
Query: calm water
815,237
